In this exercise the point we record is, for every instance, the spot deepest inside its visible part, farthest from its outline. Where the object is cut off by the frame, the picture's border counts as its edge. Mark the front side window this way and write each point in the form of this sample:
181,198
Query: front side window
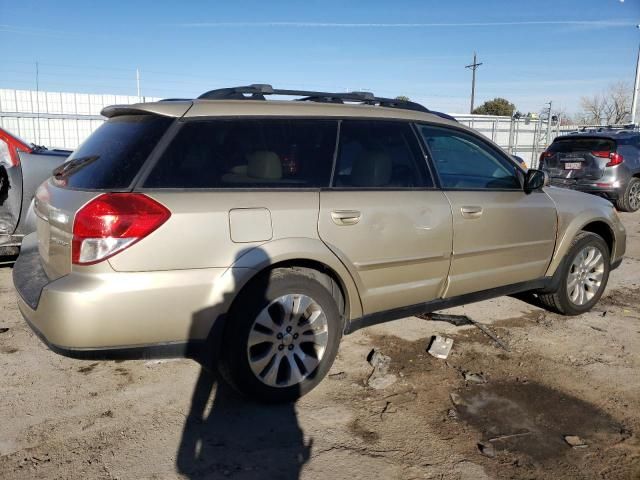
252,153
466,163
381,155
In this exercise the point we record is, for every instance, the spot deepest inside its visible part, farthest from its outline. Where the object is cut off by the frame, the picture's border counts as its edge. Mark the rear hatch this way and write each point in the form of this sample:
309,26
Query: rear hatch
569,159
108,161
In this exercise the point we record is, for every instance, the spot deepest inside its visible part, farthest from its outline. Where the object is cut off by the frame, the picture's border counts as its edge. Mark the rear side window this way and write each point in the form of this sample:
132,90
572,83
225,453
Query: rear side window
112,156
253,153
570,145
381,155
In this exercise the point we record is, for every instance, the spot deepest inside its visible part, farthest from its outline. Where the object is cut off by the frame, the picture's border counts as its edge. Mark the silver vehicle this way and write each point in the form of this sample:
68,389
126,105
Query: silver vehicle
263,230
23,166
603,161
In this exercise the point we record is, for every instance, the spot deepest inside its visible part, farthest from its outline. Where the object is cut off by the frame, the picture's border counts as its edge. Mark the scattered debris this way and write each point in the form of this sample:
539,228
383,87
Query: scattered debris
507,437
4,329
380,378
440,346
575,441
457,400
379,360
456,320
474,377
338,375
460,320
487,449
598,328
151,363
388,408
491,335
452,413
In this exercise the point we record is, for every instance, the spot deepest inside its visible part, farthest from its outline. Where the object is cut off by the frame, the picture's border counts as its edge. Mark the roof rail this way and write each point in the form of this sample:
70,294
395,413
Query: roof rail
259,91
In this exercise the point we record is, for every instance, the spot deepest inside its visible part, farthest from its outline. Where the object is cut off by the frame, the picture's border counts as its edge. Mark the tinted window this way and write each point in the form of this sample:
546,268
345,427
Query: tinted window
376,154
465,162
569,145
248,154
112,156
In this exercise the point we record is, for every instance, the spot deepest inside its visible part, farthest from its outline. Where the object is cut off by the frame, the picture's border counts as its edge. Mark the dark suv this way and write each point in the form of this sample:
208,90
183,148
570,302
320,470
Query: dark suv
603,161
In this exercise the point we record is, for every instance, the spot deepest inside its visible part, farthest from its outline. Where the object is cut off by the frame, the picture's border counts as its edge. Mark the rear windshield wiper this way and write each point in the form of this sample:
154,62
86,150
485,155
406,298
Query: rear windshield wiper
74,165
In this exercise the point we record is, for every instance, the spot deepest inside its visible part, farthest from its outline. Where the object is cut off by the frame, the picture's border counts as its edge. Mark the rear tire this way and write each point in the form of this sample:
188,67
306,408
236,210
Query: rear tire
630,199
282,336
583,276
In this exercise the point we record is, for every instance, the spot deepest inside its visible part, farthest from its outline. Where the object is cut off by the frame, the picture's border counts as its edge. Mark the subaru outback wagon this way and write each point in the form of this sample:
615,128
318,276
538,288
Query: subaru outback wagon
273,227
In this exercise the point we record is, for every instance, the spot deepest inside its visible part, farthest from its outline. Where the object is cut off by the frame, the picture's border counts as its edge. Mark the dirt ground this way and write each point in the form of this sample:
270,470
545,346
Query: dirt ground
66,418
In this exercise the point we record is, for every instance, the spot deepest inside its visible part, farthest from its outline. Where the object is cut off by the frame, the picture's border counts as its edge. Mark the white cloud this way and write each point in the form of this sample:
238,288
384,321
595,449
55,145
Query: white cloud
581,23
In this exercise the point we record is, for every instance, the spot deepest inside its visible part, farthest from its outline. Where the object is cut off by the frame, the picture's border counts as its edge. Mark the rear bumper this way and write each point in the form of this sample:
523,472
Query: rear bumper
609,193
83,314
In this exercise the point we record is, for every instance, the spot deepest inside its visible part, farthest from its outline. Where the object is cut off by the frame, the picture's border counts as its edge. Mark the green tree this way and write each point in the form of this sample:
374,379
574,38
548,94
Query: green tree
497,106
404,98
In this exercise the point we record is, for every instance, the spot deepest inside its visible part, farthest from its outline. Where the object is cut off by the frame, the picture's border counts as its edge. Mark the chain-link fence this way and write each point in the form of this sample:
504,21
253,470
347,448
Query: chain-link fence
64,120
56,119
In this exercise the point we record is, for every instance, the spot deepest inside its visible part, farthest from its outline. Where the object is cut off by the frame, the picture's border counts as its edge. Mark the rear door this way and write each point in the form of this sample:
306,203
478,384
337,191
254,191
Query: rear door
384,218
501,235
577,158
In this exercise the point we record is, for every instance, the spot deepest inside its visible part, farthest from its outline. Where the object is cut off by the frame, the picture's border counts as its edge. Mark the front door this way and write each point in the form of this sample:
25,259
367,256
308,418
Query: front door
501,235
384,218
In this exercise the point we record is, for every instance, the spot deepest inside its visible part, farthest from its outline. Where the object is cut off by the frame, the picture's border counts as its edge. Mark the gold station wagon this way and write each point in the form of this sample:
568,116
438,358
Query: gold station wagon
261,231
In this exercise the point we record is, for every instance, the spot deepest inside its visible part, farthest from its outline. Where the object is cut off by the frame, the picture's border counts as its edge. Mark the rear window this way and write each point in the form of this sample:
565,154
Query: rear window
569,145
253,153
112,156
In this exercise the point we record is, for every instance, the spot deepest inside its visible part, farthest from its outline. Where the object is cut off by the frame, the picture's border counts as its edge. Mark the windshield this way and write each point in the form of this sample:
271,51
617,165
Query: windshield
112,156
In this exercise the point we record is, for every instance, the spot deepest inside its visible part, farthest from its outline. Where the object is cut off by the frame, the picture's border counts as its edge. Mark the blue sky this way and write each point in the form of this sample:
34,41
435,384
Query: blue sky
532,51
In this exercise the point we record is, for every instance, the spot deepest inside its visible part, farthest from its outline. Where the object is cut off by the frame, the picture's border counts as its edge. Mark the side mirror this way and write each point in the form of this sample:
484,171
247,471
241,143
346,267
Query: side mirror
535,180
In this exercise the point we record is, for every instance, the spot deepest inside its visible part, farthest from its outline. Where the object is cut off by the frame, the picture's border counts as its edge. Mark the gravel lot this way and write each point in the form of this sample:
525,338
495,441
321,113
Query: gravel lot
66,418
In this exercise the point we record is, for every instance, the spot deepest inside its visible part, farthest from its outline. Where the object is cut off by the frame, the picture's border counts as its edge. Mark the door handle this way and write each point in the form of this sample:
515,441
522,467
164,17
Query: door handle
345,217
471,212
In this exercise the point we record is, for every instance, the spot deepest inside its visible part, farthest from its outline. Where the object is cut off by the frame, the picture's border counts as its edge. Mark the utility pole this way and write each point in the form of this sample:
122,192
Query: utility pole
38,100
548,124
474,66
138,82
636,85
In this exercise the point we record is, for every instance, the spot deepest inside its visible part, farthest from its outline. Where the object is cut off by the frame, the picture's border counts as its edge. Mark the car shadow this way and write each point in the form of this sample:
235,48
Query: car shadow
226,435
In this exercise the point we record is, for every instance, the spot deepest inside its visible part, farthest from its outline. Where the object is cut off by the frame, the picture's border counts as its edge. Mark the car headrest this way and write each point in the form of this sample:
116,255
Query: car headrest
371,169
264,165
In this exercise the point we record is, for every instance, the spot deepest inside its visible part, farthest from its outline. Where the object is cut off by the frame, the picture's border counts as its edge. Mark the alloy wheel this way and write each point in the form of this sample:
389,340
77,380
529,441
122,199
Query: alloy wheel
634,196
287,340
585,275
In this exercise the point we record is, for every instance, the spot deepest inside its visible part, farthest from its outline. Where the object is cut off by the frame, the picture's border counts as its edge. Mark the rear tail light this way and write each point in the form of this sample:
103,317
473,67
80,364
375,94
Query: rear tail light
112,222
544,155
601,153
616,159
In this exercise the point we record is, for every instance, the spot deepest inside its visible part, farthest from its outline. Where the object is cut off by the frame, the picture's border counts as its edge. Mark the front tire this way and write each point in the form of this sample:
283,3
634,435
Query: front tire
282,336
583,276
630,199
